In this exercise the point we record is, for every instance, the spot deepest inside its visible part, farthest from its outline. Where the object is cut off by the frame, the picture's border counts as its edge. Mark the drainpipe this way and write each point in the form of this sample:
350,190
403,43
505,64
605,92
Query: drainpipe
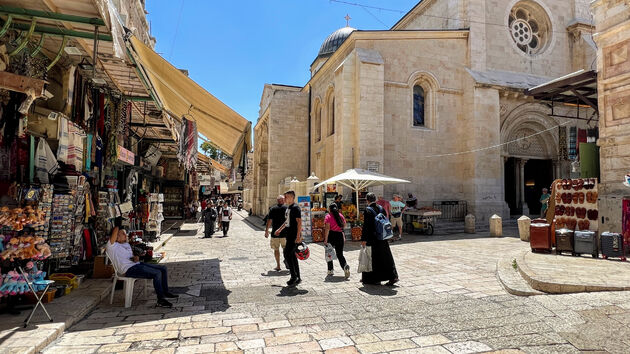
310,97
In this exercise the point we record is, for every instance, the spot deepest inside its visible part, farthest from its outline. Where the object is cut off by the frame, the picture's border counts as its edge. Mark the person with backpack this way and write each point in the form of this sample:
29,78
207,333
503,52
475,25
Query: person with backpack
209,218
375,234
333,235
226,216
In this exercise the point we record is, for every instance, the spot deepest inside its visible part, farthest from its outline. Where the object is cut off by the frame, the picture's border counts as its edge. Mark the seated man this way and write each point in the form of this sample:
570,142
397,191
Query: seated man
119,251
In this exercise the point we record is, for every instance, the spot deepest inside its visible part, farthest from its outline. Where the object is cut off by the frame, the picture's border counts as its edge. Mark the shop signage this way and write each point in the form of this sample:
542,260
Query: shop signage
373,166
126,156
206,180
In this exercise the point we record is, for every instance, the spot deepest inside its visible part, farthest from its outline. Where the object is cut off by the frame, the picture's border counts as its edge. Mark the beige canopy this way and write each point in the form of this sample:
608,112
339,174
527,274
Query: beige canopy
180,96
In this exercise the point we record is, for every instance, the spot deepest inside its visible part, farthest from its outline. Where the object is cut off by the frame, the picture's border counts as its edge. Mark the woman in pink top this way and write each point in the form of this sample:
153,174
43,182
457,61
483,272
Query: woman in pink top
333,234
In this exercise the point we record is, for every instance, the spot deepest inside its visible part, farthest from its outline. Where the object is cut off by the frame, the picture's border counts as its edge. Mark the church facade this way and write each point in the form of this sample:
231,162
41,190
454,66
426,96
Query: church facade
438,100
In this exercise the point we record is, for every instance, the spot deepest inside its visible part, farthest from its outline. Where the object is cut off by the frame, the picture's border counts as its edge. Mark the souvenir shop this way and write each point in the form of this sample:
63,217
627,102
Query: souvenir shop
69,166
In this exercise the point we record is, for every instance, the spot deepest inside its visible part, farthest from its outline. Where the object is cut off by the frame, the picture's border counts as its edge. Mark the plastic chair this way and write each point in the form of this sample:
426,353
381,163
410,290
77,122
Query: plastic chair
128,286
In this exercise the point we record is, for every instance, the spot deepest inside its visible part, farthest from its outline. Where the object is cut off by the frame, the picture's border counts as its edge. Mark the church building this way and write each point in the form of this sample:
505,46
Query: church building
439,100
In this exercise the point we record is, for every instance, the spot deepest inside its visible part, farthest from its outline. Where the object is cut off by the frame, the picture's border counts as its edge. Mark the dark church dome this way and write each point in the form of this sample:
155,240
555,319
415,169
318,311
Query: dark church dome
335,40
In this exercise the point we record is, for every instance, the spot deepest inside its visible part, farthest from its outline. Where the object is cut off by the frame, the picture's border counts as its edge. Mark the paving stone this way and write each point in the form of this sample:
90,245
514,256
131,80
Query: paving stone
332,343
386,346
467,347
306,347
428,341
199,332
202,348
448,295
289,339
135,337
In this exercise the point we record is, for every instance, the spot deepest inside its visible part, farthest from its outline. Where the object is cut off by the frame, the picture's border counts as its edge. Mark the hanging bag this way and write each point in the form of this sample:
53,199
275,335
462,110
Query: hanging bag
330,253
365,259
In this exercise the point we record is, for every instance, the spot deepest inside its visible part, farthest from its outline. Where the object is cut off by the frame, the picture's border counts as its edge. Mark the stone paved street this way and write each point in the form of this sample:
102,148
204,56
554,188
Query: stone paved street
449,300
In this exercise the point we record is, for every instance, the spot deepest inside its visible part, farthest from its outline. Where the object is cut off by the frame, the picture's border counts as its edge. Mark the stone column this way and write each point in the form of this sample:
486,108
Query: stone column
556,170
517,177
521,168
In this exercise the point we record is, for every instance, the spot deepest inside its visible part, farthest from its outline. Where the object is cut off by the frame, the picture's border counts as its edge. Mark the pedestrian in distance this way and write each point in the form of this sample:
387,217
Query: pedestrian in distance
209,220
275,220
383,266
385,204
293,226
334,222
544,201
397,207
338,201
226,216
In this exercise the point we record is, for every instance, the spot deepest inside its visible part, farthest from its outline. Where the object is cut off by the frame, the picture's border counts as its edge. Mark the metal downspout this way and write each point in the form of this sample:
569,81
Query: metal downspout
310,98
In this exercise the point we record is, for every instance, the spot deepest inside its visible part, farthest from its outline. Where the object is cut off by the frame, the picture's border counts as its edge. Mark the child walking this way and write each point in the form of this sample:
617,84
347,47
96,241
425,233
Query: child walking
333,234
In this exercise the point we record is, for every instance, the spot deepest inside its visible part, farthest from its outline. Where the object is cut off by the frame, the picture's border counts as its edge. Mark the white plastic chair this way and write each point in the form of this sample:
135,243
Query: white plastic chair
128,287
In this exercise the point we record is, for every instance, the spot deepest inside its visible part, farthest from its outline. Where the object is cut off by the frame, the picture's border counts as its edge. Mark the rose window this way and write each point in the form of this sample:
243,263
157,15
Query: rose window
530,27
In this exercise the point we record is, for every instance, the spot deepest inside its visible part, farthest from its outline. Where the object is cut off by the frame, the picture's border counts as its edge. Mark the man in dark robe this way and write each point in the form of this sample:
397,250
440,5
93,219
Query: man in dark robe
383,266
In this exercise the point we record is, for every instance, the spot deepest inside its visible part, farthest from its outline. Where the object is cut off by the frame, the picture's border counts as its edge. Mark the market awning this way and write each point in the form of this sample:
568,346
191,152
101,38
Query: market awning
577,89
180,96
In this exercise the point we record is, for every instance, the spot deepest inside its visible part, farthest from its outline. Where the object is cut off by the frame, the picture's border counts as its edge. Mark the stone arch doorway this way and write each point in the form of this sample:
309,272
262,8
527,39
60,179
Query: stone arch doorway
530,159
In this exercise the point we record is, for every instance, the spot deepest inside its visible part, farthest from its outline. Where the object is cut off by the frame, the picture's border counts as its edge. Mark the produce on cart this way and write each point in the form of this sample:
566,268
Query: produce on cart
421,220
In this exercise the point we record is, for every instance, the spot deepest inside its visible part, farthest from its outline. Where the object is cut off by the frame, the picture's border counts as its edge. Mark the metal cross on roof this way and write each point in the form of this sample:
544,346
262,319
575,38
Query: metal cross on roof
348,18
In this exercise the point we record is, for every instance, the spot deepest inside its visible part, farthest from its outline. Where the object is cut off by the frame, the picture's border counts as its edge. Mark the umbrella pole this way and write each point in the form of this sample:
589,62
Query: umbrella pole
358,214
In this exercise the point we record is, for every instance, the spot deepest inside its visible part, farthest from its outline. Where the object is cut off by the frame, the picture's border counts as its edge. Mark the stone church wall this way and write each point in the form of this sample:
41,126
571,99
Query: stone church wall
612,19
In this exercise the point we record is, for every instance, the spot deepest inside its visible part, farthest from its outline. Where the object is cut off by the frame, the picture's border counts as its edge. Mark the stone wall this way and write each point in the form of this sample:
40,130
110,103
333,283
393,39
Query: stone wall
612,19
287,143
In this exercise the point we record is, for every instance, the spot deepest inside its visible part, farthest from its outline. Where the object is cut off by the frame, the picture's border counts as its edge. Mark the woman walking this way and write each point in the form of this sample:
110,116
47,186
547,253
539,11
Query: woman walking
333,235
383,266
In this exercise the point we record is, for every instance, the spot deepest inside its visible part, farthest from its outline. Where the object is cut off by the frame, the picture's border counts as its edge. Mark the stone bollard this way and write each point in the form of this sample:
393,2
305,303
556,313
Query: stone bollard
469,224
496,226
523,227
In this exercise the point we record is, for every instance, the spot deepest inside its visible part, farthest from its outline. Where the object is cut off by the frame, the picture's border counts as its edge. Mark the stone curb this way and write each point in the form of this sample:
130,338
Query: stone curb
558,288
511,280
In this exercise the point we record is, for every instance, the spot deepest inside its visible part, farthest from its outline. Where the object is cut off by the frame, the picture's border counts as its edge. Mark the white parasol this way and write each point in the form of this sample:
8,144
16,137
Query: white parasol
357,179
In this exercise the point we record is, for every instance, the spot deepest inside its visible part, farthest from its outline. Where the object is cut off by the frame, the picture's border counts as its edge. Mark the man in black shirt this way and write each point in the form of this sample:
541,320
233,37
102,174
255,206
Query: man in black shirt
209,218
292,229
275,219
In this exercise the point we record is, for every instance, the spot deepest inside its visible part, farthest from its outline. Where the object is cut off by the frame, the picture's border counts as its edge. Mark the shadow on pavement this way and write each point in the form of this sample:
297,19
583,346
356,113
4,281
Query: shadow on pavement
291,291
379,290
275,273
335,279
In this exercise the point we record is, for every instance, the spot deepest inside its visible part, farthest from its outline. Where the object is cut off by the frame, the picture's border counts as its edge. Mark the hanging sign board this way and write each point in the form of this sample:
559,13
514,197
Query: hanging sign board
126,156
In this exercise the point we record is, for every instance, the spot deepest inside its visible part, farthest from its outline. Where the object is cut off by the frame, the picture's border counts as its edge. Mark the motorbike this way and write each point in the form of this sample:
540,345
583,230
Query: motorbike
240,206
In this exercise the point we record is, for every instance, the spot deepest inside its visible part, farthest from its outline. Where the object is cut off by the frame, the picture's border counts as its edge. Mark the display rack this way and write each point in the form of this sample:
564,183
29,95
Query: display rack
173,202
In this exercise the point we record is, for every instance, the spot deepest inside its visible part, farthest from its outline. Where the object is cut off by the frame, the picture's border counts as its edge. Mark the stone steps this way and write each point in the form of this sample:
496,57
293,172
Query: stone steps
512,280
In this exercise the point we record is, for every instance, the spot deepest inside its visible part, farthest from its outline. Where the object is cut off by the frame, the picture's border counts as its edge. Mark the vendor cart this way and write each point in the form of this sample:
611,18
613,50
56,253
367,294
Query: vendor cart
420,221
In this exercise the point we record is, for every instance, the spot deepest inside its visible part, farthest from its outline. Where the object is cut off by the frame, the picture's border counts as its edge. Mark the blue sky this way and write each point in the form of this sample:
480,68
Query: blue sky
232,48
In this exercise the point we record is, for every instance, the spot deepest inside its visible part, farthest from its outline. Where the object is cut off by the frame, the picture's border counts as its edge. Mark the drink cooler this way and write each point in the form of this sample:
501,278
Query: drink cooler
585,242
540,237
612,245
564,241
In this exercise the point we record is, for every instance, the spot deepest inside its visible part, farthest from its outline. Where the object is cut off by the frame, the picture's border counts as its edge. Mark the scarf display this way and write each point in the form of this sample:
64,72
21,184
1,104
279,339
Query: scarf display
45,162
187,153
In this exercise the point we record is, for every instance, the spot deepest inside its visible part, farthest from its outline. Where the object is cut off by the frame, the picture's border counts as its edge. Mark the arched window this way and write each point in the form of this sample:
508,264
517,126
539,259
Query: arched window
418,106
318,123
331,117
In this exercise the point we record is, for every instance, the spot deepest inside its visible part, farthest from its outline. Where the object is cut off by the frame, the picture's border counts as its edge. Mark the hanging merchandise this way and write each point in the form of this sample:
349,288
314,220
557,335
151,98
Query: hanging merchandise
64,140
187,154
45,161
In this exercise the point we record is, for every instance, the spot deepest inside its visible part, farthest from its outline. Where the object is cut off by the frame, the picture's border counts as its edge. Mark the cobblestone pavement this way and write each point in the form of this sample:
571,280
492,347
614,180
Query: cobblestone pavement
449,300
